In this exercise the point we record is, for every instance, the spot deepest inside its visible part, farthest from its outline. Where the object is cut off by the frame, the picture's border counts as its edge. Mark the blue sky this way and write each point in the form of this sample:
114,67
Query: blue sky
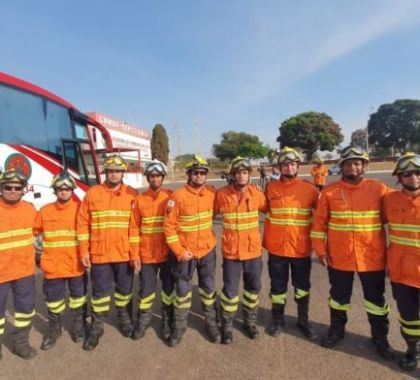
219,65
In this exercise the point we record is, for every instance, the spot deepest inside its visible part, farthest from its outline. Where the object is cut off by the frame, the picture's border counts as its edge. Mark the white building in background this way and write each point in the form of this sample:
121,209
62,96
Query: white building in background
132,142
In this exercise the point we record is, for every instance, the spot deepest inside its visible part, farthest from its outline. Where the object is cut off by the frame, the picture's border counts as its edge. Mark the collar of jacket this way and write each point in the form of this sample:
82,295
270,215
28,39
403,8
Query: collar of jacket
351,186
197,191
62,206
249,191
151,193
9,205
111,190
289,182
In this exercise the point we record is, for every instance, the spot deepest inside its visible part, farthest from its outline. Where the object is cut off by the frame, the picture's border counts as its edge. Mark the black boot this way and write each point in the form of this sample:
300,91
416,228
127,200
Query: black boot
125,324
180,326
95,332
409,361
302,322
1,343
142,323
212,328
250,322
78,329
227,327
276,326
21,345
54,331
336,330
379,326
167,321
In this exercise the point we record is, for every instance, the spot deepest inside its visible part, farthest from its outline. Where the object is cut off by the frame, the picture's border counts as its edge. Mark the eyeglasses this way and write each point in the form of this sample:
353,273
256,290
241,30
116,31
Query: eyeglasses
409,174
64,189
199,172
12,188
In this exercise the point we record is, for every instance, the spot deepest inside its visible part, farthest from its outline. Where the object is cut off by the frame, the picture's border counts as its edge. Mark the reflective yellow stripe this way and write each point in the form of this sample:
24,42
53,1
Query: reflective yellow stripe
18,232
291,211
167,299
355,214
101,309
152,219
250,305
151,230
102,300
52,305
279,299
185,298
201,215
17,244
355,227
240,215
58,309
60,244
24,315
75,303
412,332
318,235
229,300
289,222
335,305
371,308
83,237
229,308
96,214
251,296
404,241
197,227
300,293
59,233
122,300
1,331
147,302
105,225
2,321
22,323
172,239
134,239
410,323
405,227
183,302
229,304
241,226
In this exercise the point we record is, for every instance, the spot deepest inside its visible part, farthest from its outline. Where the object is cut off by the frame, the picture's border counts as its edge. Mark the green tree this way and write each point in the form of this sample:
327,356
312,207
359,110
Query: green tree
239,144
310,131
358,137
160,144
396,125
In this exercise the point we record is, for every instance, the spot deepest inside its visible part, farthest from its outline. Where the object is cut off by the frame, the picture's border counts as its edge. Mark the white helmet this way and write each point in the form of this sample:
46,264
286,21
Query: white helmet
155,166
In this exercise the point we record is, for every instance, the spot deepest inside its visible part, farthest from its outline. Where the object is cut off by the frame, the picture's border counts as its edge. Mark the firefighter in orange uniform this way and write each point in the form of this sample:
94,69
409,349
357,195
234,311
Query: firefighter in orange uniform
348,236
189,234
149,251
102,232
287,240
60,262
402,212
17,260
320,173
239,204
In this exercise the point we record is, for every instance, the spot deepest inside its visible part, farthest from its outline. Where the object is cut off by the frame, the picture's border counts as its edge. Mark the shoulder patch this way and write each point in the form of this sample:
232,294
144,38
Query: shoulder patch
170,206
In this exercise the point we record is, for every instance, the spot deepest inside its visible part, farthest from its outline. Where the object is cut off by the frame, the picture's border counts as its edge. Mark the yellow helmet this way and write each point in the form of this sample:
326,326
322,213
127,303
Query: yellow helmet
115,162
13,175
353,152
407,162
63,180
240,163
197,163
288,154
318,160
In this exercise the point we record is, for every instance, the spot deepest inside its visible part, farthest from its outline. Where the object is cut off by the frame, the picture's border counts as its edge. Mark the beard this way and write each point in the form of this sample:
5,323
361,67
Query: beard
411,188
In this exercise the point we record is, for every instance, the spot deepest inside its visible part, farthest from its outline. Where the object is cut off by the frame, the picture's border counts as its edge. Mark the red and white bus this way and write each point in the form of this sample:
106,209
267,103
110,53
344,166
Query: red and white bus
41,134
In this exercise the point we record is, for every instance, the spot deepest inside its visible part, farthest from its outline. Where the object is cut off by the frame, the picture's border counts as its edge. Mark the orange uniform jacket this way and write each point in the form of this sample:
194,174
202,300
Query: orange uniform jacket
102,224
320,174
57,223
147,238
188,222
348,226
241,239
288,224
402,212
17,252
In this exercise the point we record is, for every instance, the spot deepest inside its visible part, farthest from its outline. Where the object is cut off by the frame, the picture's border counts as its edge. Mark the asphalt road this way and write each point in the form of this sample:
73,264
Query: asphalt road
289,356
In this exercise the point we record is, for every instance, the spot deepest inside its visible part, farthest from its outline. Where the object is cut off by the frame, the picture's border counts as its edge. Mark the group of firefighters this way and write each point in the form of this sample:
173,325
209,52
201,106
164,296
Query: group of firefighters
116,233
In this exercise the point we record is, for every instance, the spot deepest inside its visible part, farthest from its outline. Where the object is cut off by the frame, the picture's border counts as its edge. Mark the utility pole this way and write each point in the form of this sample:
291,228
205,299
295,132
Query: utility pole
177,138
197,136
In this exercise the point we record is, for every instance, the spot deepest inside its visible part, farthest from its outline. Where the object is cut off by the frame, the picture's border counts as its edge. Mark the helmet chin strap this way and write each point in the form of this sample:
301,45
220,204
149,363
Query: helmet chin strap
411,188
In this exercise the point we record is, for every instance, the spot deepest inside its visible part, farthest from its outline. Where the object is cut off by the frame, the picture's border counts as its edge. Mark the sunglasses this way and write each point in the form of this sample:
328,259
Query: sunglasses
12,188
409,174
64,189
199,172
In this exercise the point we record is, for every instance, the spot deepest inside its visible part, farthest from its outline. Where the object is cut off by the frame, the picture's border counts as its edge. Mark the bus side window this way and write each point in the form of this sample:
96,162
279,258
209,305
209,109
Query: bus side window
74,161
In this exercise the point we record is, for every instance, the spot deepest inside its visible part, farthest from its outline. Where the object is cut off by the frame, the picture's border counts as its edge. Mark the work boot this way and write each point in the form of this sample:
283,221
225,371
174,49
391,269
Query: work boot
167,321
250,322
125,324
78,328
336,331
379,327
277,323
211,323
54,331
1,343
409,360
142,323
21,345
302,322
95,332
227,327
180,326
